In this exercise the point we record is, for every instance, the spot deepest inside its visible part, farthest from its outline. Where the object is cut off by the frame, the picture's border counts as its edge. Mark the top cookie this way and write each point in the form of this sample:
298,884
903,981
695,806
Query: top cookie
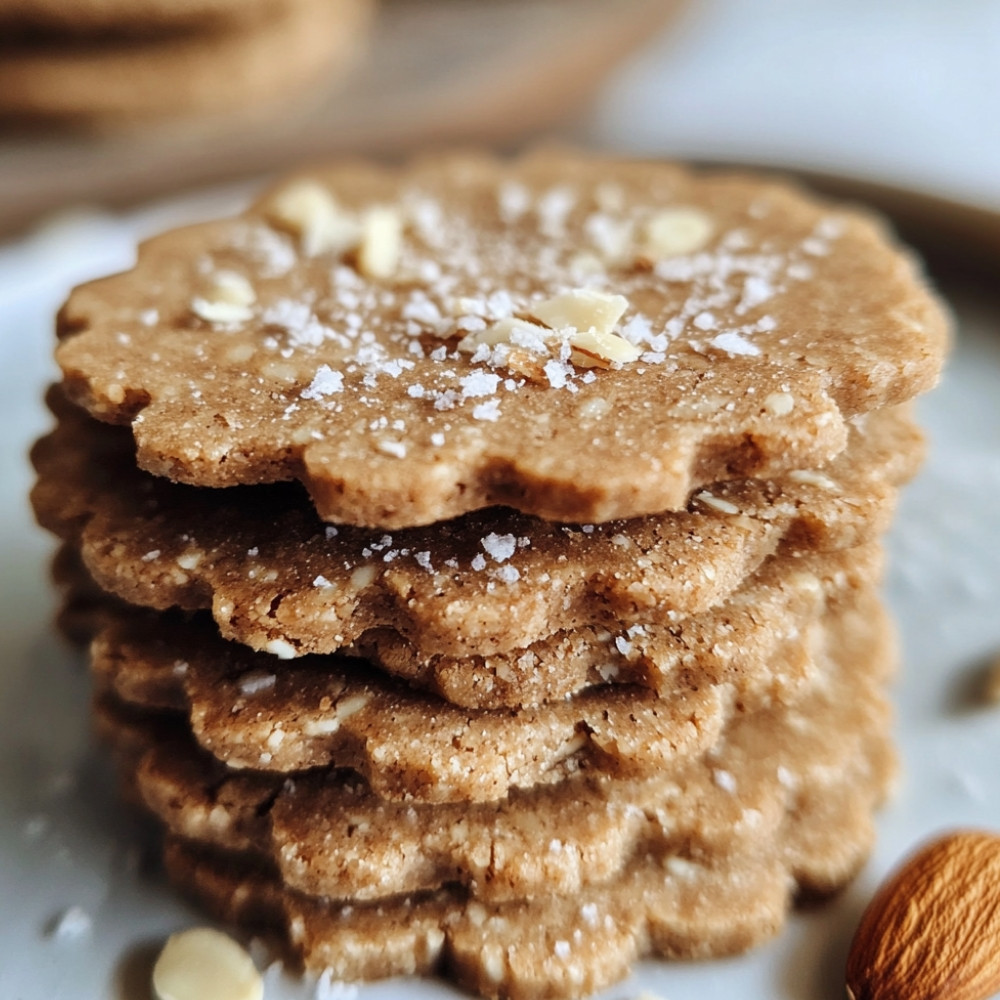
578,338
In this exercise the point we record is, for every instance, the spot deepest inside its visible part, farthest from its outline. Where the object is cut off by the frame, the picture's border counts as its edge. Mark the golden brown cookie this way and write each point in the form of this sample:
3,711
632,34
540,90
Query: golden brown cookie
141,17
785,595
555,948
578,338
279,579
245,66
328,835
681,905
324,711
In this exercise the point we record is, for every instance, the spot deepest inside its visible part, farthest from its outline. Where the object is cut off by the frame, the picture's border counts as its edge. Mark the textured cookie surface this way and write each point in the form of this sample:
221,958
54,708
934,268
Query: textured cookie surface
420,342
276,578
330,710
328,835
785,595
245,66
564,945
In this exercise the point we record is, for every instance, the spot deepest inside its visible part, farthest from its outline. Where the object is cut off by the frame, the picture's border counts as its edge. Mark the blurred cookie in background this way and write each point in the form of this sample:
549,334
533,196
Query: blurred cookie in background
420,73
159,68
133,17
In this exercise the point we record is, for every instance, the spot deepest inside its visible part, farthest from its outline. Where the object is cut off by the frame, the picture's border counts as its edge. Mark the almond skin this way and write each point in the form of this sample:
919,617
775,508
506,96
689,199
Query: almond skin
932,932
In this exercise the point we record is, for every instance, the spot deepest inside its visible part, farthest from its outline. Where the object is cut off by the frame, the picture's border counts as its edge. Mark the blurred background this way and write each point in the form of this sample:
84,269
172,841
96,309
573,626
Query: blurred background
113,102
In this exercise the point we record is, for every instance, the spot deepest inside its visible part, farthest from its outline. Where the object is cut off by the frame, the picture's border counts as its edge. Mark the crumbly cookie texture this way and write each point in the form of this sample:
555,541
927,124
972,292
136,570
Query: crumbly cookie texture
328,835
323,711
278,579
785,594
564,945
577,338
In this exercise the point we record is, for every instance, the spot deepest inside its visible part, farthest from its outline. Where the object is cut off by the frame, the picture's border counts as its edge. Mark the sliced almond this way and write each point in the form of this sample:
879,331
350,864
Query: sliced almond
582,318
509,330
594,349
381,242
673,232
228,299
205,964
581,309
720,504
310,212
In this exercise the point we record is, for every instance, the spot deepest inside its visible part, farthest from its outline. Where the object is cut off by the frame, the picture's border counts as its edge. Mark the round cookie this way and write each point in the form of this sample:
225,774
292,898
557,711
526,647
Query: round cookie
278,579
128,16
245,67
561,946
252,711
784,596
329,835
578,338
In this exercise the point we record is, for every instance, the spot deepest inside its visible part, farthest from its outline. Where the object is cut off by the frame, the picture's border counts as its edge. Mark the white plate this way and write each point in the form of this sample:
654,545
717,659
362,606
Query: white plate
64,842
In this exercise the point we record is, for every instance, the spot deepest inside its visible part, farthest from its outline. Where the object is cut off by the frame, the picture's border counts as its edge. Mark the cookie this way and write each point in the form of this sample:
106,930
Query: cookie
88,17
519,950
750,624
327,835
680,906
99,80
277,578
783,596
578,338
333,711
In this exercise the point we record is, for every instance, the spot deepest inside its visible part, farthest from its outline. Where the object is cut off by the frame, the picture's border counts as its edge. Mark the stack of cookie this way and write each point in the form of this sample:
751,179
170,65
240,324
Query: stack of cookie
106,62
483,573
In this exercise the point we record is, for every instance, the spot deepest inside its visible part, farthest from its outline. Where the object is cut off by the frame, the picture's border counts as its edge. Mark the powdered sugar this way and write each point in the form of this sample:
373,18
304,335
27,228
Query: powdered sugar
734,343
499,547
326,382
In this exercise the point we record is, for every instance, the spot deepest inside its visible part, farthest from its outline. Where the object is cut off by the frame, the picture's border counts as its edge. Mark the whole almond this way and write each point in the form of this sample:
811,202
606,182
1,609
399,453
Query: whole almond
932,932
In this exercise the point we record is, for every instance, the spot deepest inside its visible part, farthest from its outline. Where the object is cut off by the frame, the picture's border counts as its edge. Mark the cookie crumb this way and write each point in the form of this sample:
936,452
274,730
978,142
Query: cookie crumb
674,232
228,299
72,924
